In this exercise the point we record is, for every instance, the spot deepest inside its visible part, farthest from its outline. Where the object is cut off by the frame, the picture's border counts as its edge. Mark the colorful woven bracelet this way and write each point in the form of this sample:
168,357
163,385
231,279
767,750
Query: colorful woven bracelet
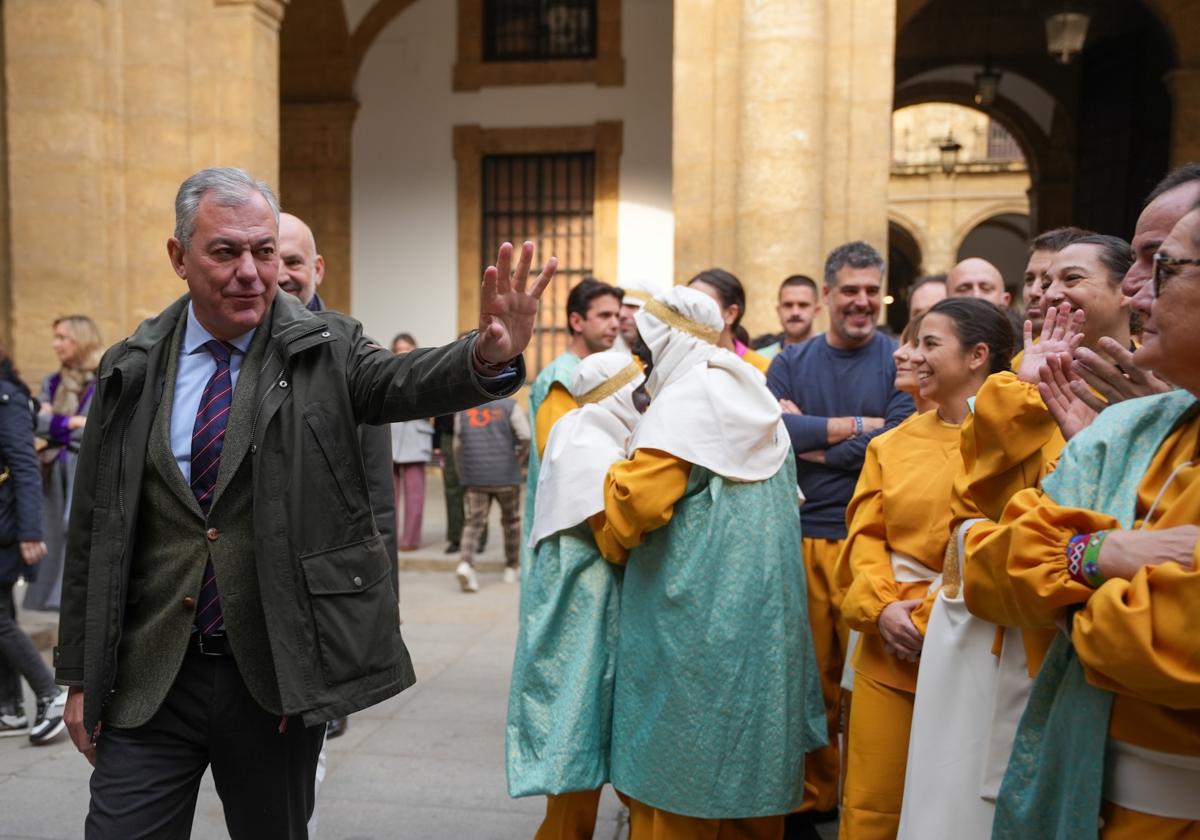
1075,551
1091,560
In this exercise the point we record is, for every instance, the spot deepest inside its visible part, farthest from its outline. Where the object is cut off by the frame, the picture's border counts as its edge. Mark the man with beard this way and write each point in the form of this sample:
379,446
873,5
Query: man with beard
798,307
837,392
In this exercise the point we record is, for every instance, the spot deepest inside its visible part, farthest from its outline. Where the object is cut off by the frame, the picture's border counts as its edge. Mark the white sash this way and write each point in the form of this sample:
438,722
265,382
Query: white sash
952,716
905,569
1012,693
1152,782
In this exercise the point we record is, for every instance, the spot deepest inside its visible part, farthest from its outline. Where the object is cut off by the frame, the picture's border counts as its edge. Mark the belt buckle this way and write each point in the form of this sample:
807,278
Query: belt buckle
215,637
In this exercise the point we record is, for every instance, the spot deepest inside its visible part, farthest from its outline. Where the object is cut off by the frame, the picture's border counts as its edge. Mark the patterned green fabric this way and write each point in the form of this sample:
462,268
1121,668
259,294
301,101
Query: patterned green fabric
717,697
559,371
560,700
1055,779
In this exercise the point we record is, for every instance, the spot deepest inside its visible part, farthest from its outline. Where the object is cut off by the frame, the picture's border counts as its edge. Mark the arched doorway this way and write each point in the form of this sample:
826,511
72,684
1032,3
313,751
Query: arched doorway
1096,131
1002,240
904,266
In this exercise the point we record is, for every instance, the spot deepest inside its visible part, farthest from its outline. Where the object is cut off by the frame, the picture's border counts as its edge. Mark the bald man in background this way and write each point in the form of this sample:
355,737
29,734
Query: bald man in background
976,277
302,268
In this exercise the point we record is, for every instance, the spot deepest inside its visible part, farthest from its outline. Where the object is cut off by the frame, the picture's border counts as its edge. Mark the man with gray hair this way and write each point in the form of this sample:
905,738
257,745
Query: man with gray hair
837,391
227,590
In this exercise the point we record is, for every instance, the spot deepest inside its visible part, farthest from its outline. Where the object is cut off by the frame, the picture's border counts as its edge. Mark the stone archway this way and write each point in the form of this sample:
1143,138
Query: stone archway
1001,238
904,265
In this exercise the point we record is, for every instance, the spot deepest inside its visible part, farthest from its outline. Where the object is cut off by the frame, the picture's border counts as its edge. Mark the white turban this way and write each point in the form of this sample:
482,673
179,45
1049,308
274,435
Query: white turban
707,406
639,290
585,442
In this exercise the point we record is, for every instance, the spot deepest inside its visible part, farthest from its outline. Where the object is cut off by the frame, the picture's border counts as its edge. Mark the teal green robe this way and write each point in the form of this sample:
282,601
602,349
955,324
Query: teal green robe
560,700
717,698
1054,783
560,370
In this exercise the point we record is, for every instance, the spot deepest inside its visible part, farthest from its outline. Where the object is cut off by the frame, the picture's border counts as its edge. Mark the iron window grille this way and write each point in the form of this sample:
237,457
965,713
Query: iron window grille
539,30
547,199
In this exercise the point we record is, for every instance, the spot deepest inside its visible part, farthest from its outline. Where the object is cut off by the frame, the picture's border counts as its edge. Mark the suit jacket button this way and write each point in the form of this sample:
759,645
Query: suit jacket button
189,602
212,534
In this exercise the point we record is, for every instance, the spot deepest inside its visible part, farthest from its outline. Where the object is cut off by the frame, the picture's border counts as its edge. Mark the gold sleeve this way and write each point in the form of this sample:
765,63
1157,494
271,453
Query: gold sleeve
1022,561
557,403
864,567
1009,443
639,496
1139,637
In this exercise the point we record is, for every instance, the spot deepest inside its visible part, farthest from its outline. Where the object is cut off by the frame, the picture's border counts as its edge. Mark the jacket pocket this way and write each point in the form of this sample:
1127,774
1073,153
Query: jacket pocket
354,608
337,462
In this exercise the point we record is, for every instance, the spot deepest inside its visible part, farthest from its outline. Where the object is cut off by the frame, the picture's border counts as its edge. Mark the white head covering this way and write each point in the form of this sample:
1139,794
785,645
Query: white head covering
639,290
707,406
585,442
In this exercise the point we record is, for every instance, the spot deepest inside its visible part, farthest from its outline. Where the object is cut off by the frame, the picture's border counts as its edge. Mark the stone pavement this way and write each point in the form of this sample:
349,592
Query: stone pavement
427,764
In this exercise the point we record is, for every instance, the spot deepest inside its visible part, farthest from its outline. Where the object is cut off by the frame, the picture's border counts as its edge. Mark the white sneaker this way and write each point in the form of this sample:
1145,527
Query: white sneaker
511,574
466,577
49,721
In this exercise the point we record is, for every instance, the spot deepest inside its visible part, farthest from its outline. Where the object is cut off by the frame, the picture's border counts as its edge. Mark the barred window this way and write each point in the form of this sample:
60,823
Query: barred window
1001,145
539,30
547,199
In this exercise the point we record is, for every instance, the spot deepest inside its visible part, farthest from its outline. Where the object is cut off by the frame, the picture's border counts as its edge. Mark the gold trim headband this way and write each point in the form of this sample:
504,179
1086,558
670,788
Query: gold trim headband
672,318
611,385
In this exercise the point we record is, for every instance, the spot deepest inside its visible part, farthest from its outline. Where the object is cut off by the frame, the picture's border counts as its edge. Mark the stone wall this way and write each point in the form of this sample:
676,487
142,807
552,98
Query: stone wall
110,104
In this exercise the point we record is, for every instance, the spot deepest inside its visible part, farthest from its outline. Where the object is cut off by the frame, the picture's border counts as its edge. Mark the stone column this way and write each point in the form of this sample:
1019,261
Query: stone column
782,146
242,113
1184,85
860,62
62,212
704,137
315,180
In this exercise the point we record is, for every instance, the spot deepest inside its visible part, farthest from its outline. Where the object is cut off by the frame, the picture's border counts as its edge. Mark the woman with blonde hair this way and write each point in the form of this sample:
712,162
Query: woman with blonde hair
65,398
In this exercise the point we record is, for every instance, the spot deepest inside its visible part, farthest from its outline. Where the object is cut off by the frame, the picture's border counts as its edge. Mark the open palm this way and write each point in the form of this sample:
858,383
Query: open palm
1062,333
507,311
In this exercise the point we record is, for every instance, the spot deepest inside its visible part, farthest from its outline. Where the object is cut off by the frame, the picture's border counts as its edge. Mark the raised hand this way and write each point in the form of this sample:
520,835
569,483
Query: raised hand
1062,333
507,311
1072,414
1113,375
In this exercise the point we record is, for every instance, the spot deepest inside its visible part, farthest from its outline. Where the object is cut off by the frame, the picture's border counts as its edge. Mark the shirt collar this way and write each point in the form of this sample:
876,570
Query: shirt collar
195,336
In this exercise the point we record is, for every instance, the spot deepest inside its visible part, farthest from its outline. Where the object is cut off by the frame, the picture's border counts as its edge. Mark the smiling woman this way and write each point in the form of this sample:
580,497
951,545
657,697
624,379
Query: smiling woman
890,566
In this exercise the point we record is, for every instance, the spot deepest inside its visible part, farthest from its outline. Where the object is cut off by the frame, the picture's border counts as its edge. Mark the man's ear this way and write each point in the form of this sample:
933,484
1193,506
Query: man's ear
575,321
1008,299
319,269
175,252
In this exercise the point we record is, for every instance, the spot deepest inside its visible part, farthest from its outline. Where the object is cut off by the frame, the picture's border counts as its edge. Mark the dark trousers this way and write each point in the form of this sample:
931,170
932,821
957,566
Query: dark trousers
453,491
147,778
20,656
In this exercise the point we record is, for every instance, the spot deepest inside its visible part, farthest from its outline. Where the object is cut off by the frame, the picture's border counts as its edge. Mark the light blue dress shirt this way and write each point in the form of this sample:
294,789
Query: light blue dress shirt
196,367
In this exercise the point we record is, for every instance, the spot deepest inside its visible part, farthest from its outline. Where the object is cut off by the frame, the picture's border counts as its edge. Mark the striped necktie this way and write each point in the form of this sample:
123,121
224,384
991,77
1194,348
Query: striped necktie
208,438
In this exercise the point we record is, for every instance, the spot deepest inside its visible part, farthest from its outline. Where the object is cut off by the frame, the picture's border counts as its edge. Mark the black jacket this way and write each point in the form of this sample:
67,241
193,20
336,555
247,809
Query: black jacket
20,482
321,379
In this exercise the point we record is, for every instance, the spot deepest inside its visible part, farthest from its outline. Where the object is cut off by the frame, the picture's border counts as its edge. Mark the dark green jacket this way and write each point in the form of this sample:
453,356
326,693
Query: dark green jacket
323,574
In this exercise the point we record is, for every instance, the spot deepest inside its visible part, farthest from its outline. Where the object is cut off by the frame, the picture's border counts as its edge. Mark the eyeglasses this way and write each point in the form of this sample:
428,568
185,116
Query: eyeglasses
1162,262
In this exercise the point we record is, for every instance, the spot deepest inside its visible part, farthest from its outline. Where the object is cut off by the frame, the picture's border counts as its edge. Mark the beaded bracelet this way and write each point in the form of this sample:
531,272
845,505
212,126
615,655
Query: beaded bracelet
1075,551
1083,558
1091,560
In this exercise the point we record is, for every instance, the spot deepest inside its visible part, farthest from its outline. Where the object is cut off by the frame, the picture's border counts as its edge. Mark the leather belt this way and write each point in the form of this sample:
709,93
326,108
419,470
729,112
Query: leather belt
214,644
